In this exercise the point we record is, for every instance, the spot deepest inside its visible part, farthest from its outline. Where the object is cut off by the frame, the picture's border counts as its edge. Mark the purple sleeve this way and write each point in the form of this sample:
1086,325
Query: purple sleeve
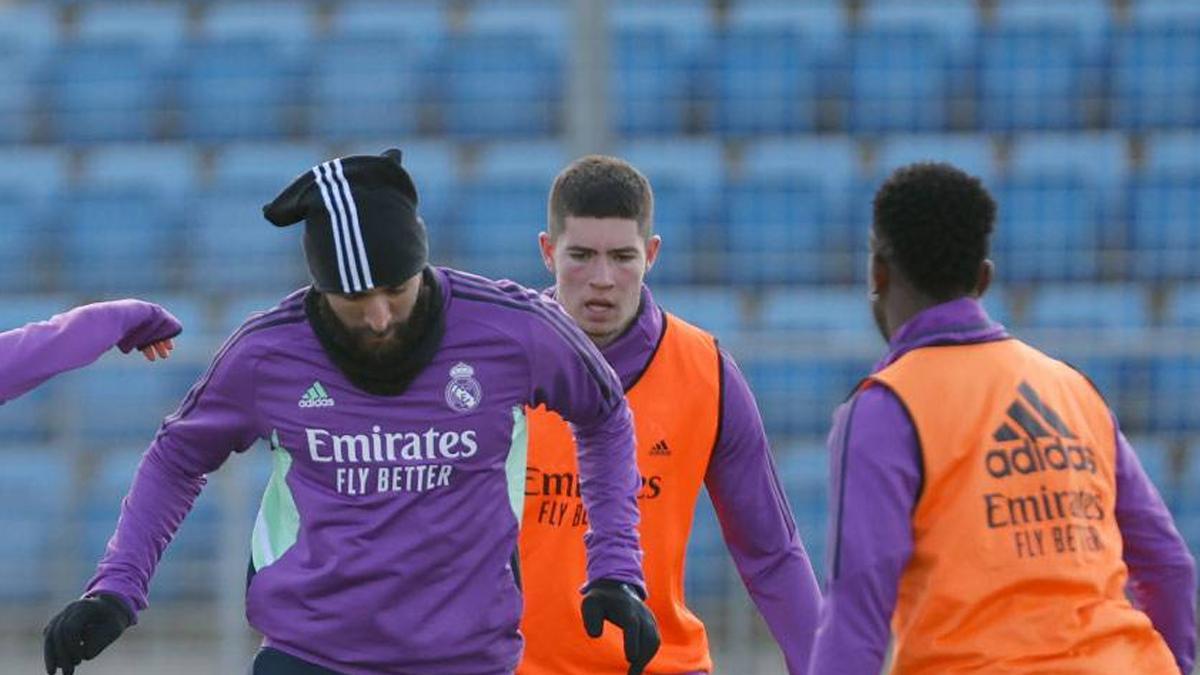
35,353
875,474
214,419
757,523
1162,574
574,380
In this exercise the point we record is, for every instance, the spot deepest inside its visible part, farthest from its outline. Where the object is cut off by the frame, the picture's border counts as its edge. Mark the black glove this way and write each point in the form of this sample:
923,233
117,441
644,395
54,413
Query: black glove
621,604
83,630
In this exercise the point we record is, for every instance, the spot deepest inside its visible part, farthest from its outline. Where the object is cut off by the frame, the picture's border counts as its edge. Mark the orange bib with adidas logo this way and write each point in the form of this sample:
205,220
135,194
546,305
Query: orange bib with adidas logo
1016,564
676,410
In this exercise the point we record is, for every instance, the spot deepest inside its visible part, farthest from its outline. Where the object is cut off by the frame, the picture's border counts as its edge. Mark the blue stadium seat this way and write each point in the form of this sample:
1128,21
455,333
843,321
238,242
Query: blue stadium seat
1155,456
1164,212
117,241
1156,67
500,84
706,574
267,166
1059,208
170,169
18,94
28,418
421,23
503,207
1164,207
686,177
1091,20
765,75
237,309
909,65
547,21
1175,388
363,86
654,55
831,161
803,470
22,240
804,473
37,172
1183,307
798,395
841,311
1099,158
716,310
34,489
498,221
286,23
1173,152
232,249
1180,492
971,153
104,92
30,27
1089,307
1040,65
160,26
778,232
787,212
899,81
118,401
238,89
503,75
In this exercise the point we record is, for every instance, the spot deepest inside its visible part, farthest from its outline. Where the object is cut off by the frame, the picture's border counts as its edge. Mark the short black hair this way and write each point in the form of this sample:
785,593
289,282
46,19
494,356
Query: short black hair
599,186
935,221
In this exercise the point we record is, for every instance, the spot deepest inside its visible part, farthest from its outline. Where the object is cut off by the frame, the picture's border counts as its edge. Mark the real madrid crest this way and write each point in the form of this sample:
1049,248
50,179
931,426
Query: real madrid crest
463,392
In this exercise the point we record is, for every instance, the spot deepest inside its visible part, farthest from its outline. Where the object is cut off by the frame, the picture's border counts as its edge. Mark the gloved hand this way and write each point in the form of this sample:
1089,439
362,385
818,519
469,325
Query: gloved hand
83,630
150,324
622,605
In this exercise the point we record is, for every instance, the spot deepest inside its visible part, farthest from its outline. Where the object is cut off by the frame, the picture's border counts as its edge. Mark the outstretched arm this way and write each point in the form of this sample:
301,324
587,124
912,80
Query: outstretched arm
38,351
758,525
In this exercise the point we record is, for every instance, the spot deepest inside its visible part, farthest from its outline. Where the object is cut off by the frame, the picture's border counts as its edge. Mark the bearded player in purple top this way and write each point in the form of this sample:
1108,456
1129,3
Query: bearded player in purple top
392,395
34,353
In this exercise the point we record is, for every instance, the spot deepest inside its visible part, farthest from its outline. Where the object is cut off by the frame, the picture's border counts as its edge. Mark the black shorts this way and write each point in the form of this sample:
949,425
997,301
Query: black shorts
270,661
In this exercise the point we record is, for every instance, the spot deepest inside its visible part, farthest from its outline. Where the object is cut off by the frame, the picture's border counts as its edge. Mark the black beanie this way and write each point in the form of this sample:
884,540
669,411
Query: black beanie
361,225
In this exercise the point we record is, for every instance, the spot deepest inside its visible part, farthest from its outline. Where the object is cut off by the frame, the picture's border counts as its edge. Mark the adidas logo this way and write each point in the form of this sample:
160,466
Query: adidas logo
1034,438
1030,423
315,397
660,448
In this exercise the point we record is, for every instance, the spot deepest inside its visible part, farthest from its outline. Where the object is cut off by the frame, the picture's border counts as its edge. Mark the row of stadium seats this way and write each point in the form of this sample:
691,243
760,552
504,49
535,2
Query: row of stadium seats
82,493
1152,380
263,70
132,218
731,313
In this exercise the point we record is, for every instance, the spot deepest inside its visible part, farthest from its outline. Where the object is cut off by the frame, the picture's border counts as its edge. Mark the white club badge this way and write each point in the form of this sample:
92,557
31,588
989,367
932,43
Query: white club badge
463,392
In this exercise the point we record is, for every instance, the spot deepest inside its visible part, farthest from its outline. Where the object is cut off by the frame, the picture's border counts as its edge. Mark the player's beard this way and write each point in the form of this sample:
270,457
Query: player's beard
363,344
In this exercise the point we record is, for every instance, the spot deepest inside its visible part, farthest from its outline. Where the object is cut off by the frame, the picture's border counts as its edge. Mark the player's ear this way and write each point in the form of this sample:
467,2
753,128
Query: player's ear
546,244
653,244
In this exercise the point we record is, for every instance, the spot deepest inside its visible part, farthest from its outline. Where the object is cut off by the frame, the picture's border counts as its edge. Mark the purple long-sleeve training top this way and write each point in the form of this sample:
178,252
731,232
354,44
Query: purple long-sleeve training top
875,468
387,529
755,517
34,353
